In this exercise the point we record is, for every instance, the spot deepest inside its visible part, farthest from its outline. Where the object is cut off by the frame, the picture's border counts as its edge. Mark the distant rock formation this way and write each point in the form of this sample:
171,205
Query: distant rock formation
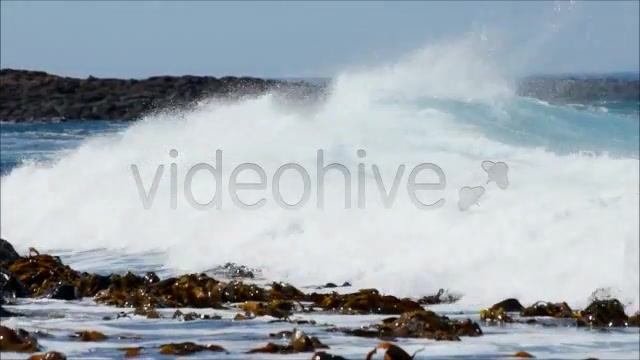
35,95
580,90
38,96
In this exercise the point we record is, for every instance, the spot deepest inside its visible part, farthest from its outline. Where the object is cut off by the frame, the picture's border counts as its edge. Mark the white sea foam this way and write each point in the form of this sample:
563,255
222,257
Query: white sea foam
566,224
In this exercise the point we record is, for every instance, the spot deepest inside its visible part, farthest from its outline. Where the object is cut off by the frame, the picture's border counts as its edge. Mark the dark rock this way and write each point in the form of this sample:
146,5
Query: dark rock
35,95
64,292
420,324
7,252
498,312
17,341
439,298
193,316
495,315
151,278
366,301
187,348
89,335
603,313
522,354
634,320
392,352
557,310
509,305
10,285
276,308
130,352
580,90
51,355
322,355
298,342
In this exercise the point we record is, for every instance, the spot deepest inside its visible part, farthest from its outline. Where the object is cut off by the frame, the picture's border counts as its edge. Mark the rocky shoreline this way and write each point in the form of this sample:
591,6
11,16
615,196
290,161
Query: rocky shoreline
581,90
41,276
39,96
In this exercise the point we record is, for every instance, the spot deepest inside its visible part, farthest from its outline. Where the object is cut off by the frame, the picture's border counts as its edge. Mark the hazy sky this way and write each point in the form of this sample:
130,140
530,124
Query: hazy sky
139,39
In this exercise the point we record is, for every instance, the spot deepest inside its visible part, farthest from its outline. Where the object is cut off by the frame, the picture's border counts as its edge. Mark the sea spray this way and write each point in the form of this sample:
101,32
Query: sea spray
566,224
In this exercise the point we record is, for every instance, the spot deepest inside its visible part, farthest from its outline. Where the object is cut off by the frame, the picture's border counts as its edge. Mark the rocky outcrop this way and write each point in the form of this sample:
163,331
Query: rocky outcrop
581,90
599,314
7,252
40,96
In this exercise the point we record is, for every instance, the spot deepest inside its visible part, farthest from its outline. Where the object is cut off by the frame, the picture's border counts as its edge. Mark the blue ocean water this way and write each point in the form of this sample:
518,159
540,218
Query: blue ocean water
611,127
41,141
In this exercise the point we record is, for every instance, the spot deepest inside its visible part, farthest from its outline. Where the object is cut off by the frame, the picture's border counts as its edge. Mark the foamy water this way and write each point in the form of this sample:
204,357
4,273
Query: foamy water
566,225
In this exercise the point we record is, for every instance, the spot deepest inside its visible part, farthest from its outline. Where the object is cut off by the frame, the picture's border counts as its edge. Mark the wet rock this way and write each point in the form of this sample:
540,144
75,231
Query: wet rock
365,301
420,324
299,342
241,317
10,285
237,291
603,313
90,335
272,348
277,308
557,310
193,316
322,355
64,292
509,305
51,355
131,351
440,298
191,290
283,291
634,320
291,321
498,312
148,312
90,284
7,252
331,285
41,274
234,271
17,341
495,316
151,278
187,348
523,354
391,352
